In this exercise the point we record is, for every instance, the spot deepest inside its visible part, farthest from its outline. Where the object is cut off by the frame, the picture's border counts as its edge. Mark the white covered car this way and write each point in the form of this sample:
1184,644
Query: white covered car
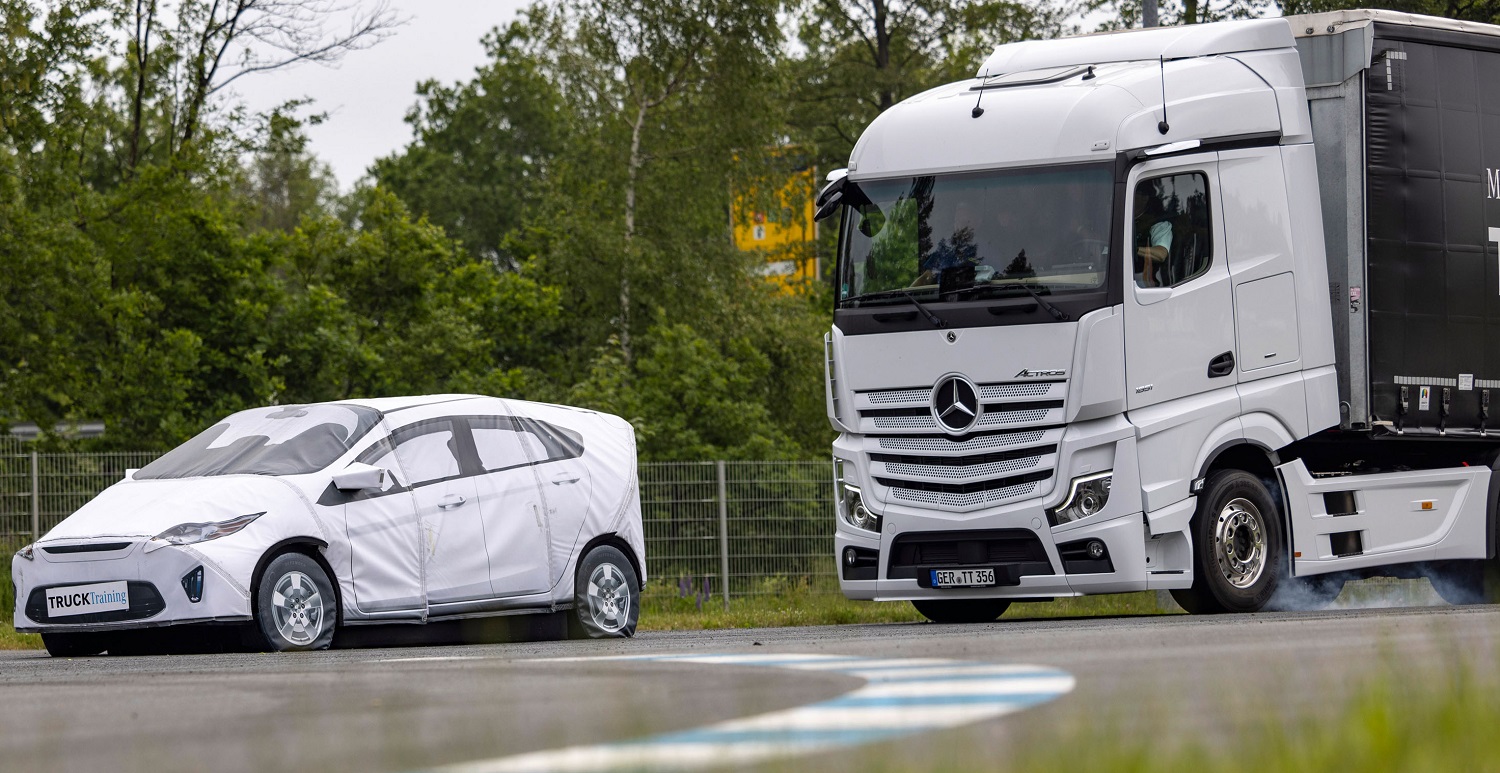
300,519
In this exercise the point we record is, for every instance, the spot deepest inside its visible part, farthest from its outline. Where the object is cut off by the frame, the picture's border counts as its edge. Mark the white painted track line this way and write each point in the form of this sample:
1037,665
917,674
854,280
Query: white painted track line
900,697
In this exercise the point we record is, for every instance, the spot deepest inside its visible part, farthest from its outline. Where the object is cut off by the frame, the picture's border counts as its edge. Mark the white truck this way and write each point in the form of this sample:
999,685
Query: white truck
1213,309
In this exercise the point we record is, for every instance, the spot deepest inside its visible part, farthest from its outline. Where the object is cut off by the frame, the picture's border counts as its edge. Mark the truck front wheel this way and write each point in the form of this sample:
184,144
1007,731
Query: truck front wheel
1238,549
962,610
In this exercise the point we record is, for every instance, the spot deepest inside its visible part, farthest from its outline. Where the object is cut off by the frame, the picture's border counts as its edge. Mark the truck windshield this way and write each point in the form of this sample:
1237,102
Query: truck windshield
284,440
951,237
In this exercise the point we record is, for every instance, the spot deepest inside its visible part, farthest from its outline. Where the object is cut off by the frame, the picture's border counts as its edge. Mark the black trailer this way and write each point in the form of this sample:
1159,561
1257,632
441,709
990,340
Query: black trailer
1406,121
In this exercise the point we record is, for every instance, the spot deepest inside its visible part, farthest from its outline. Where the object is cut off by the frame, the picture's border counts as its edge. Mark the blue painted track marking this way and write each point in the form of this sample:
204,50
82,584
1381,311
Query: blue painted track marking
900,697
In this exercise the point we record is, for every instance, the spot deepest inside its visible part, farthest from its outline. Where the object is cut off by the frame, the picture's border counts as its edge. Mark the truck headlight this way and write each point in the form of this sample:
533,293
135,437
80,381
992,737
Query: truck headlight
1089,495
850,502
191,533
28,552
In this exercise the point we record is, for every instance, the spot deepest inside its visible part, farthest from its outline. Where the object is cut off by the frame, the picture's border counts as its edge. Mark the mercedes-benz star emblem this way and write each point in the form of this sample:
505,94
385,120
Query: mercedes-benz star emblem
955,404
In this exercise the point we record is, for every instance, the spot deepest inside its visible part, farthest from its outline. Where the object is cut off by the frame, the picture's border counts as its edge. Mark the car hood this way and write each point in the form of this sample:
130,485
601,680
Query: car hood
146,508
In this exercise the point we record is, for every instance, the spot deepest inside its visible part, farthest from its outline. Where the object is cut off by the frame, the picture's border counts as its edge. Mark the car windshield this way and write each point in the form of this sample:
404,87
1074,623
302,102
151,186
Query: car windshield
282,440
925,237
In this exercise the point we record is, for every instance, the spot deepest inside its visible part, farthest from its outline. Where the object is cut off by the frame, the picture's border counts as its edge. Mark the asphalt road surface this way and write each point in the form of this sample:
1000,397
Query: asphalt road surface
418,707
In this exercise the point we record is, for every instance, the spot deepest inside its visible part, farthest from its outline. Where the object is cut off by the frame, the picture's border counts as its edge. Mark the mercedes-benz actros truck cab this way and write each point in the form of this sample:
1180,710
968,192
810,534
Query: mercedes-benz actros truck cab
1213,309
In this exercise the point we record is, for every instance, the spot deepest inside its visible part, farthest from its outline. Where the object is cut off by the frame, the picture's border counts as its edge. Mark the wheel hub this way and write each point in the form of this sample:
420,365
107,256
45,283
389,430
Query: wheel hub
297,608
1240,543
608,597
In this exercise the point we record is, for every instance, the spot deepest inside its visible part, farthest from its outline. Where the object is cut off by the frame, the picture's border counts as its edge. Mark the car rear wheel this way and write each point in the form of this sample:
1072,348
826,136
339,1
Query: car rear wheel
962,610
74,645
295,607
606,596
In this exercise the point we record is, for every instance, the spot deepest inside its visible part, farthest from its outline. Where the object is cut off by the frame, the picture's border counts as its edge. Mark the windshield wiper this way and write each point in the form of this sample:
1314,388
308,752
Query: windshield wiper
902,292
1057,314
975,289
933,318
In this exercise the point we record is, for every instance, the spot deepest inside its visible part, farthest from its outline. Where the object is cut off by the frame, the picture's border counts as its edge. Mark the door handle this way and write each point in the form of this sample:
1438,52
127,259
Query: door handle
451,501
564,478
1222,365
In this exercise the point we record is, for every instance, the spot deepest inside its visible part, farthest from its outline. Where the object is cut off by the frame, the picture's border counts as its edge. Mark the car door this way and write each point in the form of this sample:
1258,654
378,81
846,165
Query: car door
384,540
455,559
564,476
510,505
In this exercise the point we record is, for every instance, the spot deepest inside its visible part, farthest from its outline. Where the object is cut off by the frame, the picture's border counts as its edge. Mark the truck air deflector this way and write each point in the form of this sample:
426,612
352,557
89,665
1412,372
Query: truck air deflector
1170,43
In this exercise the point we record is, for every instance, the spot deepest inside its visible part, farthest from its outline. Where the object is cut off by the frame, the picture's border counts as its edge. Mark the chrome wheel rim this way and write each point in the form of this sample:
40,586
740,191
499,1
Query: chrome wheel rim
609,598
1240,543
297,608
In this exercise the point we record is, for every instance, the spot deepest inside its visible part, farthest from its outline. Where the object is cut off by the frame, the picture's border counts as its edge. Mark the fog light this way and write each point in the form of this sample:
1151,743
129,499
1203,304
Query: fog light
1089,496
1096,549
849,557
192,585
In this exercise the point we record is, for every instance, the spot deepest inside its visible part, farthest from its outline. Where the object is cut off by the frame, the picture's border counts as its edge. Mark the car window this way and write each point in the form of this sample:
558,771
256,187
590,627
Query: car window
509,441
279,440
429,456
499,448
383,455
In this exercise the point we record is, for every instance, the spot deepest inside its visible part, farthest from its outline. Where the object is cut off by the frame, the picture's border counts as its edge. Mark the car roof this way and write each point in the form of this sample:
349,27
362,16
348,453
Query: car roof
389,404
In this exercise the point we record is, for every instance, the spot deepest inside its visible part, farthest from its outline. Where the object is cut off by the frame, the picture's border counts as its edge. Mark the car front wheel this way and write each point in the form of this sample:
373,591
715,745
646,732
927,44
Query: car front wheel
295,608
606,596
74,645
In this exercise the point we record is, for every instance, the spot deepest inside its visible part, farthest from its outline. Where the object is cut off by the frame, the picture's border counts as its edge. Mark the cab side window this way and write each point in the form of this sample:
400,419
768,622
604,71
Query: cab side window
1173,239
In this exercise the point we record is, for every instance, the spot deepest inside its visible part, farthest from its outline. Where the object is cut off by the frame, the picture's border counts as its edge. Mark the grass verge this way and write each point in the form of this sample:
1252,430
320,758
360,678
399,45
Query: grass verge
10,640
781,601
1396,719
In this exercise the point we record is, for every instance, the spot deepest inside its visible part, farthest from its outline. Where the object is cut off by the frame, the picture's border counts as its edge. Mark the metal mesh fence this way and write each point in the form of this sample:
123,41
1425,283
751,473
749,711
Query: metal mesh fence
761,524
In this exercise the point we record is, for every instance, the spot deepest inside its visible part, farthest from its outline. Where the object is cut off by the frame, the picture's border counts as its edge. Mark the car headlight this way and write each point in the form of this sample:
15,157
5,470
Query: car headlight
191,533
28,552
1089,495
850,502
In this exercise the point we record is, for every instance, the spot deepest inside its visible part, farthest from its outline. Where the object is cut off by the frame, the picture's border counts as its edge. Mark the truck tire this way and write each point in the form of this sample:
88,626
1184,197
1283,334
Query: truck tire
1465,582
1307,594
295,606
606,596
1239,554
962,610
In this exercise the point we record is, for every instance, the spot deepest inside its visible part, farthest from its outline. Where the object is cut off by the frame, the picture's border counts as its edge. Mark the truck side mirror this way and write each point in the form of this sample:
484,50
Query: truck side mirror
358,476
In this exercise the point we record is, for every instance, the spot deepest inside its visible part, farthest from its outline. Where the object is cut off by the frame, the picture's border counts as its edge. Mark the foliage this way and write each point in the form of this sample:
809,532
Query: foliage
559,227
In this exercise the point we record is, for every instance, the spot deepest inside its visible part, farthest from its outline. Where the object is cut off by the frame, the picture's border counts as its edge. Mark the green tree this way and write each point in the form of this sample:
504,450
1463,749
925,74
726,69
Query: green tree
482,149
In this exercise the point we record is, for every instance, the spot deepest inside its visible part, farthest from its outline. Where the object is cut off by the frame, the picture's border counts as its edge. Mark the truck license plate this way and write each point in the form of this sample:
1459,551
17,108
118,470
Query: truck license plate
962,578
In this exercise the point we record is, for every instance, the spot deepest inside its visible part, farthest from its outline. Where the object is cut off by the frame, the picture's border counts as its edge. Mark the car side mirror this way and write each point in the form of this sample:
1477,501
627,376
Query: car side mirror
359,476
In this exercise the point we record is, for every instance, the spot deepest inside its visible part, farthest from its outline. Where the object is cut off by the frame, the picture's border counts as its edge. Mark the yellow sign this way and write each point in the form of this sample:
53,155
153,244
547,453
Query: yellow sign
781,226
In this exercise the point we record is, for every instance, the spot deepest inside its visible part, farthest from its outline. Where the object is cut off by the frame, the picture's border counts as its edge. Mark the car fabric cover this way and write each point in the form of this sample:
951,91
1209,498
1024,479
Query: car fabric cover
386,548
280,440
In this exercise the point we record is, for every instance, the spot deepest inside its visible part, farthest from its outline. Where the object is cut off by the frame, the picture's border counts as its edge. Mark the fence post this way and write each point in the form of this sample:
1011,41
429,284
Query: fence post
723,533
36,501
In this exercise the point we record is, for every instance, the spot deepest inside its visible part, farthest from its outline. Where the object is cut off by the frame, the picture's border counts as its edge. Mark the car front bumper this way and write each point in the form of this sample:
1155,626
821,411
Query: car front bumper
157,596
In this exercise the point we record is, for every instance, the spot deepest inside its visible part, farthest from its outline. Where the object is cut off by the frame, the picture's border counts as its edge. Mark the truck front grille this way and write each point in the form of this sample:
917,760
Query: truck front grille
1010,454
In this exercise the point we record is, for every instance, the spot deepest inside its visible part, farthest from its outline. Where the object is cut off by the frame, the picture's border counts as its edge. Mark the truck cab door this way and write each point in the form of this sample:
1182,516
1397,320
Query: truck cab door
1180,349
1179,305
